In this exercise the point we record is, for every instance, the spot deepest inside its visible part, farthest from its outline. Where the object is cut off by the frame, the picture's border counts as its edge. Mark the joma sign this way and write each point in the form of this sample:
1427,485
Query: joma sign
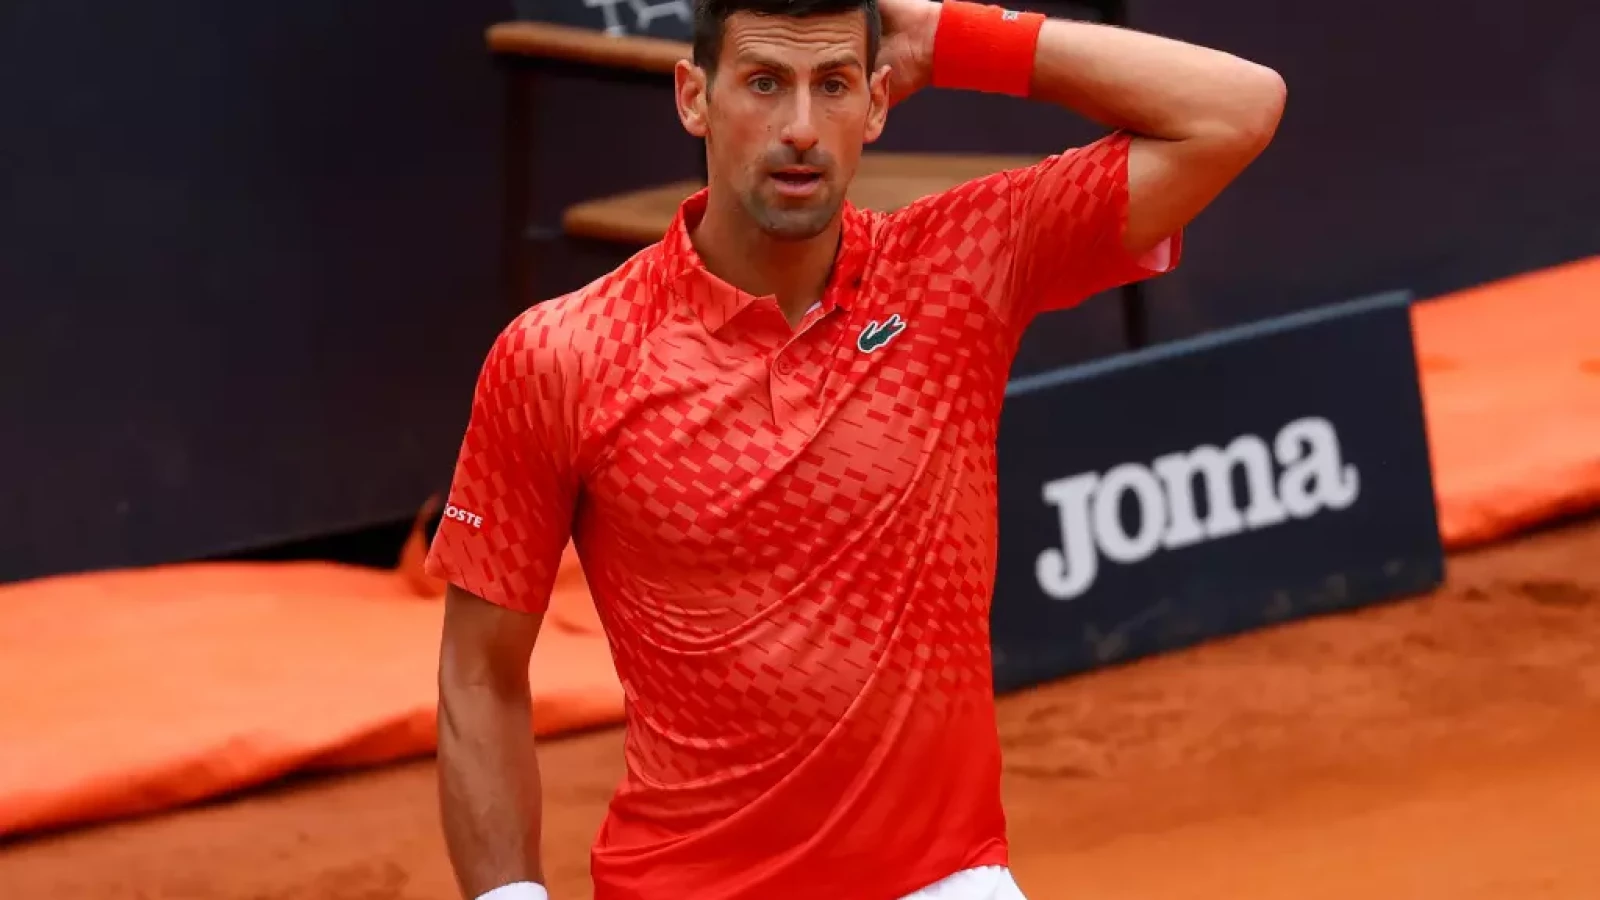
1300,474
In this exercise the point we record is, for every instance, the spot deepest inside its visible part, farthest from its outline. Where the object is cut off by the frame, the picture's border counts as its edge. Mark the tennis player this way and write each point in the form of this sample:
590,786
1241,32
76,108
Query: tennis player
771,437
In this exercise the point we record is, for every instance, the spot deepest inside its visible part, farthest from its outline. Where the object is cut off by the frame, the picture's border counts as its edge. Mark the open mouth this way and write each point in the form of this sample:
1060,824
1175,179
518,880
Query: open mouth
796,181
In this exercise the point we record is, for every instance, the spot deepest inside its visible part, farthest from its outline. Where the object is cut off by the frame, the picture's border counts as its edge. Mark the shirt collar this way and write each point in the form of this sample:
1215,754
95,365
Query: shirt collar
717,302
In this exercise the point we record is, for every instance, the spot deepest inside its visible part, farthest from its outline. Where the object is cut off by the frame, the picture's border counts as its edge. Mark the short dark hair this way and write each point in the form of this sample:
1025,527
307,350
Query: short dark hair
710,17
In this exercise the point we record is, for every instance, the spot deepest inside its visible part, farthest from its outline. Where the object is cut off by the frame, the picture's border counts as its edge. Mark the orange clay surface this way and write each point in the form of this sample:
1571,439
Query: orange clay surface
1446,748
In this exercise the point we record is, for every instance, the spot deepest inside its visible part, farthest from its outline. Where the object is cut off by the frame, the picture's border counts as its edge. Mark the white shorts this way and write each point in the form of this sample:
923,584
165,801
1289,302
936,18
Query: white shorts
982,883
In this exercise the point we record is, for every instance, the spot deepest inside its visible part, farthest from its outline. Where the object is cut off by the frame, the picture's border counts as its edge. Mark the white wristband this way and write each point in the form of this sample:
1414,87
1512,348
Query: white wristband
518,890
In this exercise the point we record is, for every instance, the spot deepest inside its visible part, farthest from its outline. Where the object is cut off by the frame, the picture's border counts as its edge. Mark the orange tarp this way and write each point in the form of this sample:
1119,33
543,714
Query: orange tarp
133,691
1511,381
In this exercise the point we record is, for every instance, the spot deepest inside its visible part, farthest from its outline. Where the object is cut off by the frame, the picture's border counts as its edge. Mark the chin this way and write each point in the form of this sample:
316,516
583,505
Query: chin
795,224
794,230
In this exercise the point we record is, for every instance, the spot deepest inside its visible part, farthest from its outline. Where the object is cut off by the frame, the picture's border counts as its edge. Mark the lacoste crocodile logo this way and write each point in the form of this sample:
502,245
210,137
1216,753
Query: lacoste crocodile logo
876,334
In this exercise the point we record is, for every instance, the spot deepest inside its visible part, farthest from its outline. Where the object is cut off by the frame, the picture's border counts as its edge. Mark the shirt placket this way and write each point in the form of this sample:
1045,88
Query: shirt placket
795,376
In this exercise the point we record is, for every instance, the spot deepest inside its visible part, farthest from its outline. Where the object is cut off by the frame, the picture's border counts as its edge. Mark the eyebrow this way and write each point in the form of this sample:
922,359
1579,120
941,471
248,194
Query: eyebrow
845,60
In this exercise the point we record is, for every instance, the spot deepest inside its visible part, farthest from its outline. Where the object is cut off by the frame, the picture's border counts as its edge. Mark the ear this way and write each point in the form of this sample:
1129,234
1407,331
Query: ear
878,100
690,87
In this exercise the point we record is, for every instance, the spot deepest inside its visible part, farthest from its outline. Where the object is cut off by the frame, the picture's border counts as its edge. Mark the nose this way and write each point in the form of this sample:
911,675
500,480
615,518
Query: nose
800,132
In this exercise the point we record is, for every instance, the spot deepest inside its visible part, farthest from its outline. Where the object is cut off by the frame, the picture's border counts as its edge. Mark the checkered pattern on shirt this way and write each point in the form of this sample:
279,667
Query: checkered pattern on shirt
790,541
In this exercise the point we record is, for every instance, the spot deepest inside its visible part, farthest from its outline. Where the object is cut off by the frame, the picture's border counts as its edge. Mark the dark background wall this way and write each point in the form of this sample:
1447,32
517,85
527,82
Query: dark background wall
249,255
247,260
1427,146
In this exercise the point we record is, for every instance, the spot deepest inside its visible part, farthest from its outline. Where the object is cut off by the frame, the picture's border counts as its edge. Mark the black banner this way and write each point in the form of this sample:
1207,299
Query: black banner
1209,486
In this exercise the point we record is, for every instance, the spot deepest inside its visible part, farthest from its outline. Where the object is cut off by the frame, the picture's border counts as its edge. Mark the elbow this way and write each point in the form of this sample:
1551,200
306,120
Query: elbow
1260,114
1245,117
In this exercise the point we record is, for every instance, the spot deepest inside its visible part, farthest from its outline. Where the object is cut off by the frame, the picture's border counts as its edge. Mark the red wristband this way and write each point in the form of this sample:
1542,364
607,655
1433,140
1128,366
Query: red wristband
978,47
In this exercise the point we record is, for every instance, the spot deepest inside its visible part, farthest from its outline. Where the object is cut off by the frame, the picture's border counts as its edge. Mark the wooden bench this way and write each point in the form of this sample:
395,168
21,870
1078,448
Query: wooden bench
538,40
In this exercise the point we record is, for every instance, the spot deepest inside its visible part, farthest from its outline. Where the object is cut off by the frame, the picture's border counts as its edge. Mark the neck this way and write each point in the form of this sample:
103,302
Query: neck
795,273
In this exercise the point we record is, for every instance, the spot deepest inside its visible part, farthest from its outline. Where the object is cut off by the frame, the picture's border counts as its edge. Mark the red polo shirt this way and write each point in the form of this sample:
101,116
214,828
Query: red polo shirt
789,532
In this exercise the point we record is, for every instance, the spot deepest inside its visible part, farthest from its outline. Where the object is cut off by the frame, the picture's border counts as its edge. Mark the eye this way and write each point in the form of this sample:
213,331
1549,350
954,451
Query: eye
763,84
835,86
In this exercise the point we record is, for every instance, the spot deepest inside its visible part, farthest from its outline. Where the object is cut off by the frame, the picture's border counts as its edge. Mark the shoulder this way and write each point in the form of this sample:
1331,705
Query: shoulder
961,233
564,346
981,193
618,307
954,226
599,321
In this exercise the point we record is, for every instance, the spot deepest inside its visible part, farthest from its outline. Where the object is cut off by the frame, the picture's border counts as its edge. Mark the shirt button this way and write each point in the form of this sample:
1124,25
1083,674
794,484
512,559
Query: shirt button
783,366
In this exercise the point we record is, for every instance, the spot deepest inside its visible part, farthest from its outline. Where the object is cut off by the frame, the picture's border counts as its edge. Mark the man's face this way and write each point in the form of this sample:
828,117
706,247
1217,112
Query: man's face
791,105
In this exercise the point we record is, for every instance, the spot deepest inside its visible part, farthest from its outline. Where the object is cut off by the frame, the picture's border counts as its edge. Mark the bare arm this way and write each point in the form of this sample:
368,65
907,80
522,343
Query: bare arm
1200,116
489,787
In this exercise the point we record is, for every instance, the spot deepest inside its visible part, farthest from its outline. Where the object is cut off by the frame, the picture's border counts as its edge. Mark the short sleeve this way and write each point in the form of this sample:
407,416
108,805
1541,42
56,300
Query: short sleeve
508,516
1067,217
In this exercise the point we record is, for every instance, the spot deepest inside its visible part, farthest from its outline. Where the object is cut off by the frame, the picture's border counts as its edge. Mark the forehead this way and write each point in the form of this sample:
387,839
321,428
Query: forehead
794,39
